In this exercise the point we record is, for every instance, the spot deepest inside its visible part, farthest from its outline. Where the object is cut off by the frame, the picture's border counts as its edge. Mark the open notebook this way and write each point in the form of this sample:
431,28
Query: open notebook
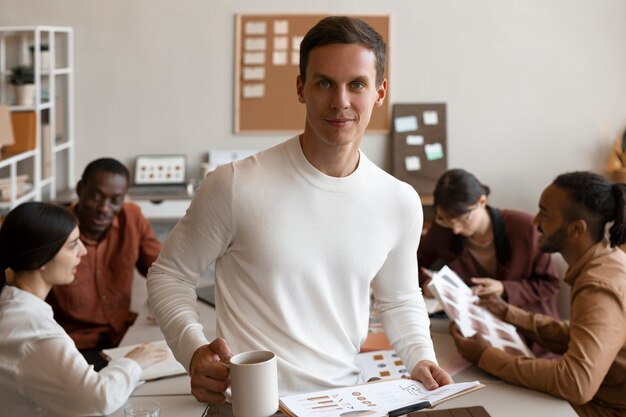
373,400
169,367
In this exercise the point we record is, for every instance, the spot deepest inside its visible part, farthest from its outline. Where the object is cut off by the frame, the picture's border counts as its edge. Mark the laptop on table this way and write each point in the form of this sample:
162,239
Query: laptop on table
159,175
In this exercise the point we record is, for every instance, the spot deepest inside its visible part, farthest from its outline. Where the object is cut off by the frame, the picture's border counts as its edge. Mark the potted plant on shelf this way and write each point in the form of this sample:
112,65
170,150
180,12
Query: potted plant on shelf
23,78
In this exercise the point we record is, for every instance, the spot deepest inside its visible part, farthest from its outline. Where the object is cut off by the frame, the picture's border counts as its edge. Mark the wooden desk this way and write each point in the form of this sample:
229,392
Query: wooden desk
499,398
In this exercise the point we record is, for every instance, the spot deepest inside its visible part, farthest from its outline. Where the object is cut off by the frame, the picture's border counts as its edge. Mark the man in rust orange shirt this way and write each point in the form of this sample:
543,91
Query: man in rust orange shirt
95,308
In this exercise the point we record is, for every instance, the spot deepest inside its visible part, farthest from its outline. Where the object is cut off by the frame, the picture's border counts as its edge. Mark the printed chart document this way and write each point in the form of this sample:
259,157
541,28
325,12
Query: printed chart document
168,367
372,400
458,302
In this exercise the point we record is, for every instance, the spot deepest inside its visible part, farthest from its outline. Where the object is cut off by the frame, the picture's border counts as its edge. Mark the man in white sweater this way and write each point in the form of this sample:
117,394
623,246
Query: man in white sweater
299,233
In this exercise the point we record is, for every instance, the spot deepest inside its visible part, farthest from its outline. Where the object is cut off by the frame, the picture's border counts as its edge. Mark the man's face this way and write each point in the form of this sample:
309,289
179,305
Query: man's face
100,200
340,93
550,222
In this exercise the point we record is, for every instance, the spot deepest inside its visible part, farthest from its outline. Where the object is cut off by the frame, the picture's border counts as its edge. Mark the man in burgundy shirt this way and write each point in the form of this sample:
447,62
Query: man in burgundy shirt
95,308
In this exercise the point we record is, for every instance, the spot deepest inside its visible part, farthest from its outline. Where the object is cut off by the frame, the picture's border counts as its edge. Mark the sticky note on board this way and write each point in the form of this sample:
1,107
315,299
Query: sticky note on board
295,58
281,27
279,58
253,73
405,124
253,90
254,58
415,140
255,44
255,28
281,43
433,151
412,163
430,117
295,42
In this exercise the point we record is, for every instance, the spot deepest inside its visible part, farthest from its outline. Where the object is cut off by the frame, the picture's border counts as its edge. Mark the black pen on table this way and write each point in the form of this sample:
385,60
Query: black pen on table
408,409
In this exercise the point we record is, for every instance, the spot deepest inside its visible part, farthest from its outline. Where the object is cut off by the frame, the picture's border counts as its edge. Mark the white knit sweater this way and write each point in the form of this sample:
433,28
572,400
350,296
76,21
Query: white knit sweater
296,252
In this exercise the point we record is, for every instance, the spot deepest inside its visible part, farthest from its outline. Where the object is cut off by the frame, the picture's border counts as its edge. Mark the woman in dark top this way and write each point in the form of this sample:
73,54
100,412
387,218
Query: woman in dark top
494,250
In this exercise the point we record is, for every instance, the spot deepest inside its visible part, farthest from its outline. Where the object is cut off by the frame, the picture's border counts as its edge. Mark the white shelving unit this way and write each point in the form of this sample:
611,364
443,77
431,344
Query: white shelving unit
53,108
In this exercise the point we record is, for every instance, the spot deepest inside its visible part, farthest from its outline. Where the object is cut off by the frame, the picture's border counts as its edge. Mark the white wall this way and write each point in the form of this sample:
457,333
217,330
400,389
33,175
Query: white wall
533,87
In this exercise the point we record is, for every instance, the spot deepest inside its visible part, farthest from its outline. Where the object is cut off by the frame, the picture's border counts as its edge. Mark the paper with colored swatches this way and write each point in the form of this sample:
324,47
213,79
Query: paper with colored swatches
383,364
459,304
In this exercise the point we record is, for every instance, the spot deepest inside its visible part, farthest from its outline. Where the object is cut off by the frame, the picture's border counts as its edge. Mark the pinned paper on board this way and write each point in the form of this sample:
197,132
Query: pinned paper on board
253,90
295,42
279,58
405,124
295,58
430,117
433,151
281,43
253,73
255,28
415,140
255,44
254,58
281,27
412,163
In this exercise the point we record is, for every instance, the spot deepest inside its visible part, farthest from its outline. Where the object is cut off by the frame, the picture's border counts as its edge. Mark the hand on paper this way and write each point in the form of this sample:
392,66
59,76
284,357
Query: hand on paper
430,375
209,375
496,305
471,348
487,286
147,354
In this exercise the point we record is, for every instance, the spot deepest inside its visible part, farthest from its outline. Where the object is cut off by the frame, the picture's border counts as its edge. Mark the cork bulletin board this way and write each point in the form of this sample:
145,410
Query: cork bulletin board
267,49
419,144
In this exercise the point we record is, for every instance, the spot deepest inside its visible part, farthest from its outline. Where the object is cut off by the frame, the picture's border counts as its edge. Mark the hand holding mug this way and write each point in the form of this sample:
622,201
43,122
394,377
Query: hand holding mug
209,375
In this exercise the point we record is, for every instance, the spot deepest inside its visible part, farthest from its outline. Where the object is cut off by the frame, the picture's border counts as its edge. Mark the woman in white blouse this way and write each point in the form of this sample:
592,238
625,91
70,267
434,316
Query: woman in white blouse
41,371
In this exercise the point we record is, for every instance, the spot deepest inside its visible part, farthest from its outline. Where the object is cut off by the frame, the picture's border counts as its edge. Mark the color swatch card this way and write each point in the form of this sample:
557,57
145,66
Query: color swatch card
383,364
459,304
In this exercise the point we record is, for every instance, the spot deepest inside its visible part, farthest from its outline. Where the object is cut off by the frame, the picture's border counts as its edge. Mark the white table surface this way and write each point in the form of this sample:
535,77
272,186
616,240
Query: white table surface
499,398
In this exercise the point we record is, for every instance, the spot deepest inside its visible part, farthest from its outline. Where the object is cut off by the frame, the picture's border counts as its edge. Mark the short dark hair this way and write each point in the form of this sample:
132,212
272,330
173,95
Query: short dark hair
457,190
104,165
343,30
32,234
594,199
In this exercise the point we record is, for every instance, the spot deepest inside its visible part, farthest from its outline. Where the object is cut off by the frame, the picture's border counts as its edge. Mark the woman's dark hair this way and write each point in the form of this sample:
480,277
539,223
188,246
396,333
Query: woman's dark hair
596,201
334,30
457,190
31,235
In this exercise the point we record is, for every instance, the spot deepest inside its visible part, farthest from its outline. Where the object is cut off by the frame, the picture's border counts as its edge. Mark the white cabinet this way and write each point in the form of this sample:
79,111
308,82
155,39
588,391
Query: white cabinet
48,163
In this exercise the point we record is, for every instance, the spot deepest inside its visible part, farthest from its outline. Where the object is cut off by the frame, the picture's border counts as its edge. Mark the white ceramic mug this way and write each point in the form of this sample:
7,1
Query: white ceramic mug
254,384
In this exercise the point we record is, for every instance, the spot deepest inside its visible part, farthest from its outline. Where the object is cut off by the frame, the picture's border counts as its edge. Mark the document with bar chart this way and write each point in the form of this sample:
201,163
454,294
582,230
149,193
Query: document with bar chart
372,400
